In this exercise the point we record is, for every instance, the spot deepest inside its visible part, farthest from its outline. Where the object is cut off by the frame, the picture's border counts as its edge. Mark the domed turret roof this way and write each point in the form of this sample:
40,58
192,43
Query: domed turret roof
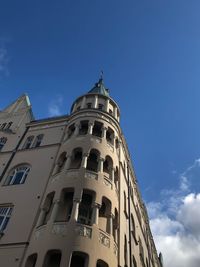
99,88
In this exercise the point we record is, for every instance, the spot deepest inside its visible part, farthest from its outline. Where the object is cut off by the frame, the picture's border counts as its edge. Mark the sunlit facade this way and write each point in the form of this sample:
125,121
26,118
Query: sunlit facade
68,193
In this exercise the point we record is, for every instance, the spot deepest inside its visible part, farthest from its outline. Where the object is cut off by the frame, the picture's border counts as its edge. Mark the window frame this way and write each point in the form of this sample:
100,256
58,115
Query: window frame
7,214
12,176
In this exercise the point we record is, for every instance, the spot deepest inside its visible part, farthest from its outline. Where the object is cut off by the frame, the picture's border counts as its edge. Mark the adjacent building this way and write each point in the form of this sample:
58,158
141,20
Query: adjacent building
68,192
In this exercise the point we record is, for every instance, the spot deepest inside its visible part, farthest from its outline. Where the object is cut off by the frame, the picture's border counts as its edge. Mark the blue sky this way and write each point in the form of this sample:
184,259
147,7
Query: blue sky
149,51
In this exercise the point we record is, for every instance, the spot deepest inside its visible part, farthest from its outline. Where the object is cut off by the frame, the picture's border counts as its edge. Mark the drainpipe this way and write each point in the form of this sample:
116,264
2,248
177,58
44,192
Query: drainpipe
129,215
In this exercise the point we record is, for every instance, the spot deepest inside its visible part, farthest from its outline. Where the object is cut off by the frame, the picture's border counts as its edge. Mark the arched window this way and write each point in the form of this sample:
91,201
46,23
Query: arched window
83,127
3,140
28,142
5,213
97,129
92,162
52,259
71,130
101,263
31,261
115,226
105,215
116,178
79,259
66,205
47,208
110,136
61,162
76,160
18,175
38,140
85,208
108,166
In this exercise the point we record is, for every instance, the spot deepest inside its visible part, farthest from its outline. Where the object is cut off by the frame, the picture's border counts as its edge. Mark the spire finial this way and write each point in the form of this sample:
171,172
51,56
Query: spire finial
101,75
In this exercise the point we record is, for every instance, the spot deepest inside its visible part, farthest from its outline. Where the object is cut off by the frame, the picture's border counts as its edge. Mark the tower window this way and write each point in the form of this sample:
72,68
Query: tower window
18,175
65,208
5,213
89,105
52,259
28,142
71,130
76,158
85,209
79,259
83,127
97,129
31,261
101,263
100,106
38,140
3,140
61,162
48,206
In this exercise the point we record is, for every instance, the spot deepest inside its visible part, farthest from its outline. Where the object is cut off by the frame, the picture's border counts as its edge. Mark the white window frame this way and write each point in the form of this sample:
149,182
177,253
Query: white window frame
11,178
5,212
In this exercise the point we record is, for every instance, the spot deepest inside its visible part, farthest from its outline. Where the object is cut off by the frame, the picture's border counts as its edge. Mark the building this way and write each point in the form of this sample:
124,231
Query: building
68,192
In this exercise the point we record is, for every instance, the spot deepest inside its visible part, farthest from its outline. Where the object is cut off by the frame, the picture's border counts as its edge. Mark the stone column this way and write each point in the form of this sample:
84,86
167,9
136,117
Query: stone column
68,162
55,210
112,175
115,112
110,218
84,160
95,213
116,235
74,107
95,101
75,209
104,130
100,166
77,127
41,216
90,128
83,102
107,105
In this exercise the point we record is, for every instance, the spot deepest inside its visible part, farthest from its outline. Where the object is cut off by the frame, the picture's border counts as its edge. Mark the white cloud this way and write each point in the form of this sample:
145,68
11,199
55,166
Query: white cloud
55,106
175,221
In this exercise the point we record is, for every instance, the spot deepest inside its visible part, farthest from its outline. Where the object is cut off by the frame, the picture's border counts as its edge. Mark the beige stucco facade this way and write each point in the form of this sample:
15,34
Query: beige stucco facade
68,192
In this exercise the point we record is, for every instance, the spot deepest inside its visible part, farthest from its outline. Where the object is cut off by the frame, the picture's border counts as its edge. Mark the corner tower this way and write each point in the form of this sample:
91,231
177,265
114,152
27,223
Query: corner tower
92,214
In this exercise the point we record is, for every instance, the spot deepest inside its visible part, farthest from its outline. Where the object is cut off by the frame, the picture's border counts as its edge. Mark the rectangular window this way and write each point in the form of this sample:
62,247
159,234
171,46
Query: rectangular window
5,213
38,140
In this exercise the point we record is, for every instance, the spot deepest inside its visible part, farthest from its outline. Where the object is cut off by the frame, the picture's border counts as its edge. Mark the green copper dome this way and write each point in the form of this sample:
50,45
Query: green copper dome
99,88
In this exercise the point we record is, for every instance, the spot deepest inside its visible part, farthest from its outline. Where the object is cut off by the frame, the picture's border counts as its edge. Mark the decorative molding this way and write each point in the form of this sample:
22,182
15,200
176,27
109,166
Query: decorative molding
84,231
104,239
91,175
